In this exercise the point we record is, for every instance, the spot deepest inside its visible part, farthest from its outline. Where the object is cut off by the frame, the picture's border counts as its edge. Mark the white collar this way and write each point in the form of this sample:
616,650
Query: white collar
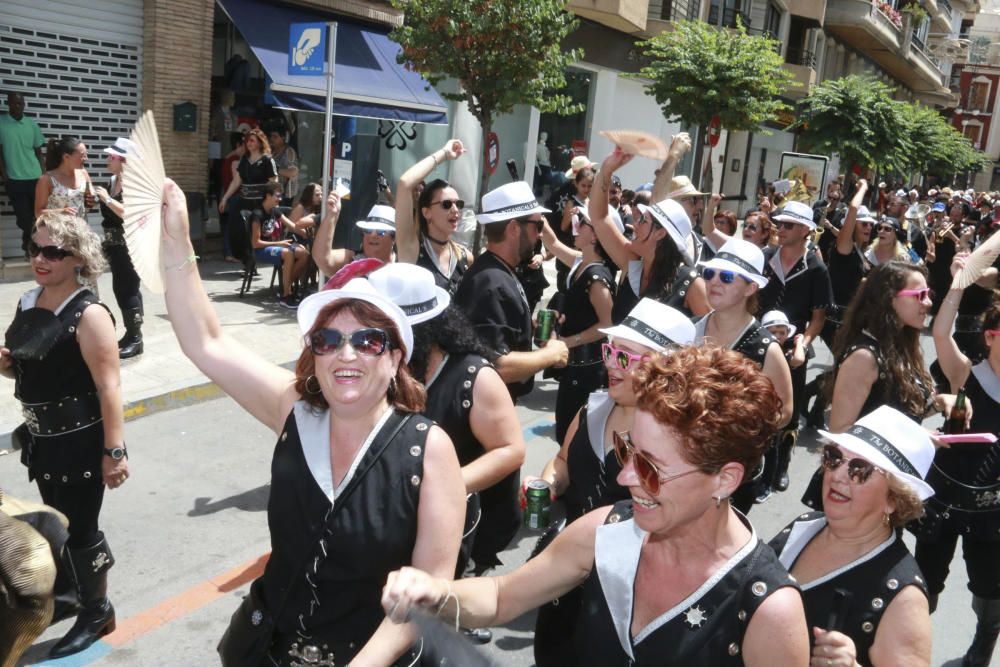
599,407
803,533
30,299
988,380
635,275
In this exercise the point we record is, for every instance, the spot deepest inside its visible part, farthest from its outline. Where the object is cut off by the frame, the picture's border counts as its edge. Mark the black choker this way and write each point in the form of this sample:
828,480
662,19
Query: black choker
434,240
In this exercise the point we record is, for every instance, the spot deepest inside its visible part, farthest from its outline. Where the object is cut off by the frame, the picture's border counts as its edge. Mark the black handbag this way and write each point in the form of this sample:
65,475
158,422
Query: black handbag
251,630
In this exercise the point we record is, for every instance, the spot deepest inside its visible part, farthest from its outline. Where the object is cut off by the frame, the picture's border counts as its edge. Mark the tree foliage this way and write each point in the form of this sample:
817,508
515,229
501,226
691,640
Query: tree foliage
503,52
857,118
698,71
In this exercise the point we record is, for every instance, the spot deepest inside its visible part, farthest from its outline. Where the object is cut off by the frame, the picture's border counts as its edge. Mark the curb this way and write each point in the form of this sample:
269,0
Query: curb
151,405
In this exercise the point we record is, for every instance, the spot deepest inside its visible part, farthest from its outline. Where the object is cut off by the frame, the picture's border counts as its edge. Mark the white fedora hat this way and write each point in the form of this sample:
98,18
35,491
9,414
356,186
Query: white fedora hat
864,215
412,288
893,442
361,289
673,218
796,211
509,201
654,325
380,218
122,147
578,163
776,318
681,187
741,257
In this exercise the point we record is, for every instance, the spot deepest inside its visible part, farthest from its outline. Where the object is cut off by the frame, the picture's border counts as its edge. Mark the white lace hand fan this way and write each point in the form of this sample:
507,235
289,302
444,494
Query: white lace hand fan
978,262
638,143
142,190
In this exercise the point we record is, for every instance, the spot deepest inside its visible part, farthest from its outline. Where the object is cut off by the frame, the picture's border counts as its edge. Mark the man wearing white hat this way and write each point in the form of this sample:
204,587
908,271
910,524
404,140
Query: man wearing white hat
799,286
493,298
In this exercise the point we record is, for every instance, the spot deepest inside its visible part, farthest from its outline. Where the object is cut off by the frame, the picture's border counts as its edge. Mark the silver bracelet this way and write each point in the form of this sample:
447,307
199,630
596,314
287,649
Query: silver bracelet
190,259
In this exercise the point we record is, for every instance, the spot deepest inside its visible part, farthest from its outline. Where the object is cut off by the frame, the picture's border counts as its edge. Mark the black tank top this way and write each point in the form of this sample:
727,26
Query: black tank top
340,552
706,629
447,283
628,291
592,472
870,583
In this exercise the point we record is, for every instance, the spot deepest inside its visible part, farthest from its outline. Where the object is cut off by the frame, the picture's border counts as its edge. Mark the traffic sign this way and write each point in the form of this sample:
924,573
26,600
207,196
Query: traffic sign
306,49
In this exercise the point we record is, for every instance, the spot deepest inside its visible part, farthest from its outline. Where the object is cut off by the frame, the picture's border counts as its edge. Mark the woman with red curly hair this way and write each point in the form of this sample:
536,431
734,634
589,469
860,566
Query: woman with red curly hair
674,575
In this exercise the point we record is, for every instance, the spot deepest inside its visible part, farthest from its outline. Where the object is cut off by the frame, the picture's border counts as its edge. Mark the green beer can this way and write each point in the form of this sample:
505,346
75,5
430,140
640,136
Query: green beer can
546,320
539,497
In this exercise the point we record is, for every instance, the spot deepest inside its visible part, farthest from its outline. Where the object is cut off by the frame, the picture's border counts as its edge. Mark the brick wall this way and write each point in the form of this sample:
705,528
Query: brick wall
177,67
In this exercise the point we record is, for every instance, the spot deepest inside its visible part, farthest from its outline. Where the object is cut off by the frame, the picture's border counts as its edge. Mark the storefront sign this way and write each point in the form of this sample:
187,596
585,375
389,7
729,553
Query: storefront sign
806,174
492,152
306,49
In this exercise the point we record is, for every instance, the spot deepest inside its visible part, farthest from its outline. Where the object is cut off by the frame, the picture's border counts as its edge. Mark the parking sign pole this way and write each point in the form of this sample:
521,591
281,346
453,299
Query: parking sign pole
331,69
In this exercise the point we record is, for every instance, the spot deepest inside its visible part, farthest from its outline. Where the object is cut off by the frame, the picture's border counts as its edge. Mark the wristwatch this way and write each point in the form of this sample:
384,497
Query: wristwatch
117,453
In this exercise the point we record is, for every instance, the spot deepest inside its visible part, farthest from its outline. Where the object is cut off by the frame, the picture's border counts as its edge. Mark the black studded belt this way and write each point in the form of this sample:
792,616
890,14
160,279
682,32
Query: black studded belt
54,418
955,495
585,355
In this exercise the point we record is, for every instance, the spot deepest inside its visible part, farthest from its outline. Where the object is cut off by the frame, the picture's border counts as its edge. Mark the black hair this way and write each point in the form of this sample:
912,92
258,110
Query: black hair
55,149
273,189
453,333
307,196
666,261
236,138
426,196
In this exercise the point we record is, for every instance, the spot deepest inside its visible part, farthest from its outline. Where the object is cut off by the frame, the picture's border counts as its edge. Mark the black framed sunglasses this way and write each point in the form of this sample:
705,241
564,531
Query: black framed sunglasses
649,475
370,342
446,204
53,253
786,225
380,232
858,469
886,228
537,223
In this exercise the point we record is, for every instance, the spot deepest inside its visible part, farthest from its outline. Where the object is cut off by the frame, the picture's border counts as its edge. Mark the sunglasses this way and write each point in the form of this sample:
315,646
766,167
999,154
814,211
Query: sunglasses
922,294
369,342
992,332
786,225
753,229
859,470
52,253
537,223
380,232
649,475
864,223
446,204
623,358
885,228
727,277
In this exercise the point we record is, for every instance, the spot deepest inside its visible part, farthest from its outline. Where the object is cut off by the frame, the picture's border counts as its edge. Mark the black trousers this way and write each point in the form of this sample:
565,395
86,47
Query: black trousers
982,563
81,503
124,279
22,198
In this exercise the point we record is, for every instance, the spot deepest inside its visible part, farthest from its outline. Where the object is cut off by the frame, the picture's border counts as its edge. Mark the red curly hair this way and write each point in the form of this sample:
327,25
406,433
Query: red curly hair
719,402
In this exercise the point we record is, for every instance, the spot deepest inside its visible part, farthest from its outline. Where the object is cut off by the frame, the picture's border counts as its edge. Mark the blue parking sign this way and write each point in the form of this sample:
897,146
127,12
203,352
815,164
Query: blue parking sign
306,49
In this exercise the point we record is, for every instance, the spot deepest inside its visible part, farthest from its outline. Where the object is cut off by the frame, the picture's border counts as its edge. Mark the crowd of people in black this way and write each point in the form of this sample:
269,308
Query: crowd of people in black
681,343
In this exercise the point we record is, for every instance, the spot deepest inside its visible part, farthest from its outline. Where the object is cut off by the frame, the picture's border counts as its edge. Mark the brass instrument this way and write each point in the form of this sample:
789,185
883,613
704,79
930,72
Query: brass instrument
942,231
917,213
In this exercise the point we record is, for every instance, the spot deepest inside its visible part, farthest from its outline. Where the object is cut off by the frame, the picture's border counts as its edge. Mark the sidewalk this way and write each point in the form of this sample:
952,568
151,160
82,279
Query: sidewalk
162,377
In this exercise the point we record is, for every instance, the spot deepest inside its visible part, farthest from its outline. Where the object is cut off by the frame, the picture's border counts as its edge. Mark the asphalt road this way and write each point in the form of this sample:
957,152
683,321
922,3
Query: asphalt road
190,523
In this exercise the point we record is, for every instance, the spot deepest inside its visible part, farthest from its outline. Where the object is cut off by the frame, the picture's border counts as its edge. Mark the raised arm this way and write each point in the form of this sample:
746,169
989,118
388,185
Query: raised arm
563,252
407,229
262,388
679,145
954,364
328,259
708,228
845,240
613,241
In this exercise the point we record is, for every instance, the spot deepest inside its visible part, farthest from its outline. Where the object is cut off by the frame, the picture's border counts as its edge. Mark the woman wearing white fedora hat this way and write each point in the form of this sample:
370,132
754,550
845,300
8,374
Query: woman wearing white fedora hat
733,277
427,240
865,597
673,576
469,400
378,234
361,484
653,263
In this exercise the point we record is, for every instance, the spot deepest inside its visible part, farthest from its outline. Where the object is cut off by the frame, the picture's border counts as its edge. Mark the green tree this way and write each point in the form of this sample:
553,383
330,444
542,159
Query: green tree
933,146
697,71
502,52
856,118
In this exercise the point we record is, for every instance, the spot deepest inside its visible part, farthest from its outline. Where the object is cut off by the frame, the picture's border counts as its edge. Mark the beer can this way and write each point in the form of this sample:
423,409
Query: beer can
539,498
546,320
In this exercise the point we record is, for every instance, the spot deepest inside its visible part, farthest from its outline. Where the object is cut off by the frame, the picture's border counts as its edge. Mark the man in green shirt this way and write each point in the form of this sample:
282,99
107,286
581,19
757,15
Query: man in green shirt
21,165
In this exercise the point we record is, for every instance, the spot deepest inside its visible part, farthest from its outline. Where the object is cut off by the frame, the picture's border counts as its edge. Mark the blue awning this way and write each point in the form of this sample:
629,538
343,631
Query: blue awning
369,82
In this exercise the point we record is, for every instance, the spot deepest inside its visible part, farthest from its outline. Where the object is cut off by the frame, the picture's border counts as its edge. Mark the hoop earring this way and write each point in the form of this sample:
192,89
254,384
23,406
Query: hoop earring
310,390
887,518
718,501
391,393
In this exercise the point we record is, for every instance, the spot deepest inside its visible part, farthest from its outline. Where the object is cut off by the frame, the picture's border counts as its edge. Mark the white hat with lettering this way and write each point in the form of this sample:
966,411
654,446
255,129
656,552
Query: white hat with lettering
654,325
673,218
893,442
509,201
796,211
741,257
380,219
412,288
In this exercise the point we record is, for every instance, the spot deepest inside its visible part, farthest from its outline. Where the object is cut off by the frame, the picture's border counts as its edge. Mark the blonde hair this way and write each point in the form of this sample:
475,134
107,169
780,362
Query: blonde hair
72,234
908,503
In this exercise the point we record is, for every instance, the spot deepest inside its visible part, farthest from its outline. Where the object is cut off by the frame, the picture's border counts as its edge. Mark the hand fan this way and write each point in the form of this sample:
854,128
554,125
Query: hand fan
981,259
142,190
638,143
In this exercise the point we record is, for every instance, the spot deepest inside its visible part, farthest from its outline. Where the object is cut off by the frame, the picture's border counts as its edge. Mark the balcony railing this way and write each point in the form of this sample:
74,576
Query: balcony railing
918,41
800,57
946,9
884,11
728,17
675,10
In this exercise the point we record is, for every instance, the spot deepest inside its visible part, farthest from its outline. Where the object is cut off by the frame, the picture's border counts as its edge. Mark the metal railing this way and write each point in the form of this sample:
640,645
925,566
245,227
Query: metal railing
675,10
879,14
728,17
802,57
946,9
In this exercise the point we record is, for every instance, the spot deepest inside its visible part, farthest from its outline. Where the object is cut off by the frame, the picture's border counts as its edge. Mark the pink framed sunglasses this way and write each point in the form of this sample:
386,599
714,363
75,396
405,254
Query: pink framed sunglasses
922,294
623,358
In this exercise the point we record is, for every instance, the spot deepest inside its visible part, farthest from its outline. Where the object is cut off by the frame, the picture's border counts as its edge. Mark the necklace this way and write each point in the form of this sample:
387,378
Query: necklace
434,240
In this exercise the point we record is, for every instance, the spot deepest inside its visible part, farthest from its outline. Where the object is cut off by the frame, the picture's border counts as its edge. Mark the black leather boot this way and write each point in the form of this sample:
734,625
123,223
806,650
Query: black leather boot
131,343
66,591
987,629
90,568
786,442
